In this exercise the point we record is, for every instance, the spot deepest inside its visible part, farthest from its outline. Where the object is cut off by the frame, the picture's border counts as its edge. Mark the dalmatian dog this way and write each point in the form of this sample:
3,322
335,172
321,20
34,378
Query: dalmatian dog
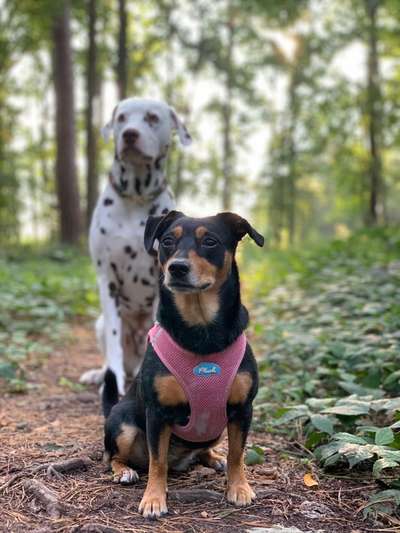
127,276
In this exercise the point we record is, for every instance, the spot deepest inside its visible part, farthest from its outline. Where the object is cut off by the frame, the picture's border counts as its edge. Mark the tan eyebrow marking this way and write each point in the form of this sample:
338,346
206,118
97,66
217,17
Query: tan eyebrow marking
200,231
178,232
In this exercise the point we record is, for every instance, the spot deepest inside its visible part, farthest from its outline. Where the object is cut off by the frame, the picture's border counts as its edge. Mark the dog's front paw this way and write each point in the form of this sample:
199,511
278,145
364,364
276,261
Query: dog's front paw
240,493
92,377
127,476
153,504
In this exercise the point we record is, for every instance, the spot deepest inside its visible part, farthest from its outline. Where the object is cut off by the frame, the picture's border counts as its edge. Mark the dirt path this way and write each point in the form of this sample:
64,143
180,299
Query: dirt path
53,423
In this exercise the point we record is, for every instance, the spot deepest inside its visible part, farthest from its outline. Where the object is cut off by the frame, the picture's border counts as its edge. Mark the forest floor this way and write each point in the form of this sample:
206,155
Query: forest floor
325,327
54,422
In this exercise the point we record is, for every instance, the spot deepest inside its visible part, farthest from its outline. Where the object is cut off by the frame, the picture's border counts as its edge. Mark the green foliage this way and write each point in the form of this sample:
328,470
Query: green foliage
328,336
41,291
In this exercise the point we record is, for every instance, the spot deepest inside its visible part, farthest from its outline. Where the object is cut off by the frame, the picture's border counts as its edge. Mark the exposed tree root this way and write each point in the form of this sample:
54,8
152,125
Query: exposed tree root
45,496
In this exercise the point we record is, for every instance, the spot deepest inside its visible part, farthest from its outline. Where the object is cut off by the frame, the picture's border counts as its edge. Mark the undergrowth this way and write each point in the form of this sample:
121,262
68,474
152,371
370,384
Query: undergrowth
327,327
41,290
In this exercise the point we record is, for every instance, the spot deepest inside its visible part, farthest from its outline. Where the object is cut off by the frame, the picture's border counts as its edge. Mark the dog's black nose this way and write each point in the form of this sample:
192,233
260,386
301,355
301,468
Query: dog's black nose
178,269
131,135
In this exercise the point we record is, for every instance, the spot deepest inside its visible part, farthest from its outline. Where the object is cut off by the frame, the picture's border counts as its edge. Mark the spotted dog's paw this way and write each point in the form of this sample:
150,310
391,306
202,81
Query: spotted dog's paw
127,476
92,377
153,504
240,493
213,460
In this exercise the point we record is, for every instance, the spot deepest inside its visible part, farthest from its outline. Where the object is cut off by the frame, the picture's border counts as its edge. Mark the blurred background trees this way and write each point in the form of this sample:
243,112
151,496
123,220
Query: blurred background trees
293,107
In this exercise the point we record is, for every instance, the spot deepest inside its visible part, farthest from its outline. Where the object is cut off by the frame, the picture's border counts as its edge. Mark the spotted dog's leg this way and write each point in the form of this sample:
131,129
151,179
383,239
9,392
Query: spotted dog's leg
154,501
212,459
239,491
113,334
96,375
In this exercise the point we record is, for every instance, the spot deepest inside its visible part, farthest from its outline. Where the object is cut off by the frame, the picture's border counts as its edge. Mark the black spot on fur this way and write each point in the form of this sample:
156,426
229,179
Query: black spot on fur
114,331
151,271
138,186
153,209
128,249
165,211
108,201
98,262
145,281
135,278
142,223
124,184
129,268
133,255
148,177
103,231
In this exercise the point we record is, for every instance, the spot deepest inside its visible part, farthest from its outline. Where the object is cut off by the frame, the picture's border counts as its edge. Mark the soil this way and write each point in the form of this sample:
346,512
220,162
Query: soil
54,422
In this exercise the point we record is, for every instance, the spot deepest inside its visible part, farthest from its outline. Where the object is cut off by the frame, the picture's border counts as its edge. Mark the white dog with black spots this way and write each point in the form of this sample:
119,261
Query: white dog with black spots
127,275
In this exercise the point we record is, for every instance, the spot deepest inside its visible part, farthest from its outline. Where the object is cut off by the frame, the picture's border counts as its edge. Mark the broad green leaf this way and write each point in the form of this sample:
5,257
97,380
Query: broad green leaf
322,423
380,464
347,410
348,437
384,436
254,458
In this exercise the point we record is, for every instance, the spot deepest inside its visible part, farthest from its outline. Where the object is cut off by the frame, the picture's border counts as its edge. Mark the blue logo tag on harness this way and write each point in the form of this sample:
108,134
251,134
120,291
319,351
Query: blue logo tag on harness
207,369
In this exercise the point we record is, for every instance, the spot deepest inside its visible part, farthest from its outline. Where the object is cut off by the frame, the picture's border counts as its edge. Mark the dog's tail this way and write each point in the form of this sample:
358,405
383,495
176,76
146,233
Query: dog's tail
109,395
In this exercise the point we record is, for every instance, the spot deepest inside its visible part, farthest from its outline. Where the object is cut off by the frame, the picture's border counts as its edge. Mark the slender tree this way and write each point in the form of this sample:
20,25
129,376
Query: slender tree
122,65
66,175
92,88
374,113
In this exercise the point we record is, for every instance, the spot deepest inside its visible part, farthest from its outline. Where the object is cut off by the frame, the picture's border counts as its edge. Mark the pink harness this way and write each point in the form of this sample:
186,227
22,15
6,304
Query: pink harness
206,380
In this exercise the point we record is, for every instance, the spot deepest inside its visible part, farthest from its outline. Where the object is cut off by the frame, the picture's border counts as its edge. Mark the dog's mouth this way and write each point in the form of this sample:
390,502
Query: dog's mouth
183,286
133,153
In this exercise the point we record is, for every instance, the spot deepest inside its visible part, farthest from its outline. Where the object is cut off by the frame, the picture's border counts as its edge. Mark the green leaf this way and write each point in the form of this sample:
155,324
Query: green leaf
348,410
253,457
380,464
322,423
348,437
384,436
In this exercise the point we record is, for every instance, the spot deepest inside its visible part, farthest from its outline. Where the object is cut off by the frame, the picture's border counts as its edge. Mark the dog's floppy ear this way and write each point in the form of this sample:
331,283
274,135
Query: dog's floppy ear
106,130
156,226
179,126
241,227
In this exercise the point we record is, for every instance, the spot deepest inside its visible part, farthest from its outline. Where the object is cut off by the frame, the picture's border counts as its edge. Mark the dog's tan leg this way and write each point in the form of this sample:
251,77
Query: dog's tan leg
212,459
125,442
154,501
239,491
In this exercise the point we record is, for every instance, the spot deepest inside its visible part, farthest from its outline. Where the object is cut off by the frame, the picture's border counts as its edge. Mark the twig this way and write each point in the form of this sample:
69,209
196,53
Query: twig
76,463
47,497
52,469
194,495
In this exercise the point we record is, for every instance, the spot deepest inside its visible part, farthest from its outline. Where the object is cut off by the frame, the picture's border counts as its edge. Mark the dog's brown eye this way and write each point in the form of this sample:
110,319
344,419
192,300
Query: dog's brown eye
209,242
121,117
152,118
168,242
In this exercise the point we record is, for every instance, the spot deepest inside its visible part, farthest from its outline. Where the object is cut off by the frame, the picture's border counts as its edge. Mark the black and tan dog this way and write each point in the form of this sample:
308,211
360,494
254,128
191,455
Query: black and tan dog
201,309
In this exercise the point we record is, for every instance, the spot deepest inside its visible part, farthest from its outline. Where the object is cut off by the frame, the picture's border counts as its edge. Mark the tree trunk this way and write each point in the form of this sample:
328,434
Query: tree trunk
66,176
92,181
374,110
227,165
122,66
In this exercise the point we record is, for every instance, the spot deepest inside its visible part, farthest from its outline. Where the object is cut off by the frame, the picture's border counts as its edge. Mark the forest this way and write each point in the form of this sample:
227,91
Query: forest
294,111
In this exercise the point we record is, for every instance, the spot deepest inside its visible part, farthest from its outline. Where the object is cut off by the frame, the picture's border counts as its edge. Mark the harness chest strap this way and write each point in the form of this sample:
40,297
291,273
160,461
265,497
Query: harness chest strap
206,380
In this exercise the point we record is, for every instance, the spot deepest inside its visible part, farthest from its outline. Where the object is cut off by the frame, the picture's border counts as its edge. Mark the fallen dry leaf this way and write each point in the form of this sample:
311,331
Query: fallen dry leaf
309,481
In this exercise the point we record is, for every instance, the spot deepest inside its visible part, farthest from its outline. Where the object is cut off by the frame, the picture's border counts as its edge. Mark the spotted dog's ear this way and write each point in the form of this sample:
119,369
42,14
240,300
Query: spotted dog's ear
241,227
179,126
106,130
156,226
